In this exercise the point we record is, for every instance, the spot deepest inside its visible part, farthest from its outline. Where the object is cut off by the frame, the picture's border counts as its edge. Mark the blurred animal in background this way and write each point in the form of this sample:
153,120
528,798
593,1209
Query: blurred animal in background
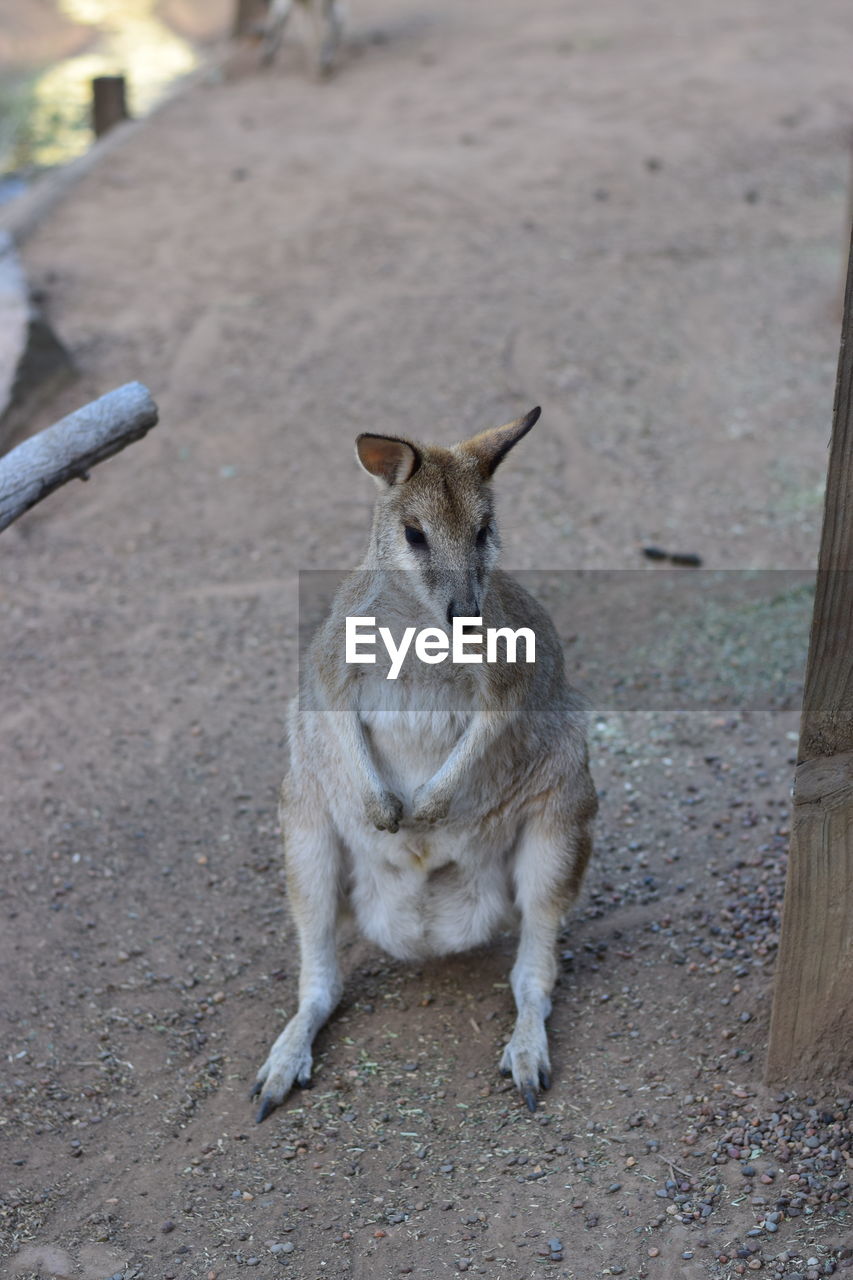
326,20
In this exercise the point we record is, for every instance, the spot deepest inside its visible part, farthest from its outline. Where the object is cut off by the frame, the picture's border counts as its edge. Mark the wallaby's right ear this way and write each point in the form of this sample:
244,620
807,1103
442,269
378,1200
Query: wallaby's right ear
389,460
491,447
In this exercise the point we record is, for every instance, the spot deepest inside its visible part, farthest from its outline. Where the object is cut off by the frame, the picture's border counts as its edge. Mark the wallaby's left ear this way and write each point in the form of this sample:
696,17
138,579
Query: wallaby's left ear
491,447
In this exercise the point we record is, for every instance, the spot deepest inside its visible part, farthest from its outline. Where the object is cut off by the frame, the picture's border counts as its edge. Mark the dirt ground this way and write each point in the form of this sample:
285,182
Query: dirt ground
34,34
635,216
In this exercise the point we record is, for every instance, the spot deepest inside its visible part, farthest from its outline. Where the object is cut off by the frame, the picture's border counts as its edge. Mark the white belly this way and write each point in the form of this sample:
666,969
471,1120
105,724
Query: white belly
418,893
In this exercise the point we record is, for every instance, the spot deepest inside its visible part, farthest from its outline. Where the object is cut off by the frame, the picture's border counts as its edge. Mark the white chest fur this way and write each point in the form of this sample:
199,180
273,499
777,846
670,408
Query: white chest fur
412,726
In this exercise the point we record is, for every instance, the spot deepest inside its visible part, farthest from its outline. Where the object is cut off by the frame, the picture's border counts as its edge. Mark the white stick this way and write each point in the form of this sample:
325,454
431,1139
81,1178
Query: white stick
68,449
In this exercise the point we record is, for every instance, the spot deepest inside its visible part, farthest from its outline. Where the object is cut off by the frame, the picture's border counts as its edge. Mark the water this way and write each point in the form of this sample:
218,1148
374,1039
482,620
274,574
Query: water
45,115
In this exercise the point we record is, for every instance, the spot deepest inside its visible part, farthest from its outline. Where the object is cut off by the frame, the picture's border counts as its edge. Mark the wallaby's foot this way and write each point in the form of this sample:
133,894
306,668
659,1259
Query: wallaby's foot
325,63
289,1063
526,1059
384,810
430,805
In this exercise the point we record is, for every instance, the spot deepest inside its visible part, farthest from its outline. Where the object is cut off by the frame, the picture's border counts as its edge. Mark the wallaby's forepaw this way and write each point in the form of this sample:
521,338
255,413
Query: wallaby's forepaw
288,1064
384,811
429,806
526,1059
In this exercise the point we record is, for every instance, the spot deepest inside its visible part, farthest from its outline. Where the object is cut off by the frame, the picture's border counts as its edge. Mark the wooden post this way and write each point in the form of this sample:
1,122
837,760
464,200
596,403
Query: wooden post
109,103
249,17
811,1031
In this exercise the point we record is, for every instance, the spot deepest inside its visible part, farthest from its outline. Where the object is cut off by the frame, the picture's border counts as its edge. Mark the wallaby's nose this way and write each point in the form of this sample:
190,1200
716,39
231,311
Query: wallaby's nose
464,611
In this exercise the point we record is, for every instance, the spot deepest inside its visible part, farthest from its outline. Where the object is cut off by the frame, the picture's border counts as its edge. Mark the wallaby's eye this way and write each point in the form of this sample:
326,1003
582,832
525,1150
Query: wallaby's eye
482,536
415,537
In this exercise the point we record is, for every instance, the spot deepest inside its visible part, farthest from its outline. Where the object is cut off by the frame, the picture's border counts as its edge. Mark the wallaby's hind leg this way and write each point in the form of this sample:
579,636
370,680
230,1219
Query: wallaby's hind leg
313,856
274,26
328,31
548,872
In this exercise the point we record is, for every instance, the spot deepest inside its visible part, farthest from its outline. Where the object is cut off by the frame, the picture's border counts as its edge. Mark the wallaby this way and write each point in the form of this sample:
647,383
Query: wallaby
328,28
447,803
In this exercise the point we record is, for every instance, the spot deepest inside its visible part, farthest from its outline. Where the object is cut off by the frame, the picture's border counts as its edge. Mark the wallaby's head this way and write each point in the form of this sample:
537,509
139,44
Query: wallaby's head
435,515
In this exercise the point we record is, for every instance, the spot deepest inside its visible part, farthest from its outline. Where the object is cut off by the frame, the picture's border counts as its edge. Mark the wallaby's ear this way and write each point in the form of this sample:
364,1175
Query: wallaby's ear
491,447
387,459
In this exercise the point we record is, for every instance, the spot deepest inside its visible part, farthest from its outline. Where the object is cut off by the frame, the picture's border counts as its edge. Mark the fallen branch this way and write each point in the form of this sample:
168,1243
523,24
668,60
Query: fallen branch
71,447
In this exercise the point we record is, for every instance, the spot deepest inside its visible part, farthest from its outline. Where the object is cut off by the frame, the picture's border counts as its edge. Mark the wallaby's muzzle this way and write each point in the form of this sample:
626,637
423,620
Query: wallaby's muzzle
463,609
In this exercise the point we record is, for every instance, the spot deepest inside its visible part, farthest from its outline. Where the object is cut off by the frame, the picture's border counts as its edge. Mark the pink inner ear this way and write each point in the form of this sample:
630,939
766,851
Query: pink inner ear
391,460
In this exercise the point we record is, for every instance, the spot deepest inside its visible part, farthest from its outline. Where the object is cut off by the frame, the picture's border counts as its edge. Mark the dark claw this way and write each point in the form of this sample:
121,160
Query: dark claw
528,1093
545,1079
267,1105
506,1071
305,1082
256,1088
